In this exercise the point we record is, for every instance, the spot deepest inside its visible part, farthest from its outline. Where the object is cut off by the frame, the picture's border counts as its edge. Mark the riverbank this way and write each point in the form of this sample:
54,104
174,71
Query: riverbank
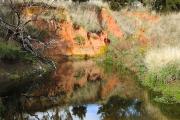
155,68
144,47
18,68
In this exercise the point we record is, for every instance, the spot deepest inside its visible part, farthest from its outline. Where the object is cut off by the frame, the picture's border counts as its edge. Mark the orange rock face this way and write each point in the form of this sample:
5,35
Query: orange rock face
66,31
109,23
65,39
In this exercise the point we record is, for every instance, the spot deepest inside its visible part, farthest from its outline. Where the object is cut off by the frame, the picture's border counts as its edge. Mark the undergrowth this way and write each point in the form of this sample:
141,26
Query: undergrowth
166,81
10,51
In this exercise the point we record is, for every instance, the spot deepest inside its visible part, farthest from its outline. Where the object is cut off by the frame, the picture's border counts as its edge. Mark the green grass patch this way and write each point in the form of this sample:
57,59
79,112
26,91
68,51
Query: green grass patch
166,81
12,52
80,40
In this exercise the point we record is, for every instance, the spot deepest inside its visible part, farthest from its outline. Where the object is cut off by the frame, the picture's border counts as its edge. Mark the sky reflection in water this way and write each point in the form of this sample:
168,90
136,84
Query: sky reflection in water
115,108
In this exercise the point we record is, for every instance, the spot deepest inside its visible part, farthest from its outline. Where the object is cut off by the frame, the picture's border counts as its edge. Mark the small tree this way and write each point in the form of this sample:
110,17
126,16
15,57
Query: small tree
13,27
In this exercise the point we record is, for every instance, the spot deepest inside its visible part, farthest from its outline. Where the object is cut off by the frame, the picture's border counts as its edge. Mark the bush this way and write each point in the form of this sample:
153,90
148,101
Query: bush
118,4
12,52
167,5
165,81
158,5
80,40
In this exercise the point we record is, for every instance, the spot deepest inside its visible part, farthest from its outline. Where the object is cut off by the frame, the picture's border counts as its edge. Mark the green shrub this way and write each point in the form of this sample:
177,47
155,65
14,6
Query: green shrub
165,81
159,5
165,75
13,52
164,5
8,16
80,40
118,4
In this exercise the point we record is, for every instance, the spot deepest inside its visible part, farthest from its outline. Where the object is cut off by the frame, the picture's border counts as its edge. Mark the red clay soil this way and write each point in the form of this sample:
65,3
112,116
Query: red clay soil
109,23
66,39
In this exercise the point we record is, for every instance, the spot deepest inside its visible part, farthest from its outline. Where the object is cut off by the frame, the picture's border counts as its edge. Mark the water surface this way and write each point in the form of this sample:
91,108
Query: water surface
82,90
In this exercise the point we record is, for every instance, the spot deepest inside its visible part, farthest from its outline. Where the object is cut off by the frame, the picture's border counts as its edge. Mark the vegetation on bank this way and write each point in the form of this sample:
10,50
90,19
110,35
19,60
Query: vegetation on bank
154,62
2,109
163,80
158,5
166,81
10,51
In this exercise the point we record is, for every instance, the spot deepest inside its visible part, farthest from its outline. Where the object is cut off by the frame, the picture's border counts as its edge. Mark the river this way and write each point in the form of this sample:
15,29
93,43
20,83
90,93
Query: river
83,90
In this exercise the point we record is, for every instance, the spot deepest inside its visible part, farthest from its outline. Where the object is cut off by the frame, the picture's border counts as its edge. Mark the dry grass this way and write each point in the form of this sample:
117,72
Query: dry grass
127,24
167,31
164,35
160,57
166,48
86,16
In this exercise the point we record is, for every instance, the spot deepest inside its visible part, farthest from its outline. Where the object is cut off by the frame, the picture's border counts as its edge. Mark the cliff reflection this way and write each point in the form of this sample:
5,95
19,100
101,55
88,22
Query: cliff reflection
81,90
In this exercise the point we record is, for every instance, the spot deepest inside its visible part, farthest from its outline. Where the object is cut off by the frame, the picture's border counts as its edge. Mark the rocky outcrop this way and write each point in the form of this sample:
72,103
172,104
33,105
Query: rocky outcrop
109,23
64,37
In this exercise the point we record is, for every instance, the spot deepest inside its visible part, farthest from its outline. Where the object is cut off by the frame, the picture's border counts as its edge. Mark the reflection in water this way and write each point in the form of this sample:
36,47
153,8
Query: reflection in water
118,108
79,111
115,109
67,93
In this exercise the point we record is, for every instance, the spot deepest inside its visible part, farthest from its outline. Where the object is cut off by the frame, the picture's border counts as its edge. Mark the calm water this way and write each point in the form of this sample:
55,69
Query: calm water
82,90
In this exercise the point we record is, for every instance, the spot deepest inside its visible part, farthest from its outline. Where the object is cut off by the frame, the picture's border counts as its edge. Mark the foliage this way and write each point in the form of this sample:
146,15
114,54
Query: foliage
118,4
7,15
159,5
165,81
113,60
119,108
13,52
79,111
80,40
36,33
166,5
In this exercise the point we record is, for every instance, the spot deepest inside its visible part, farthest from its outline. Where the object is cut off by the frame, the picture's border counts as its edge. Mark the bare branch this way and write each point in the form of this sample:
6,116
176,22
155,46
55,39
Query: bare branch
18,33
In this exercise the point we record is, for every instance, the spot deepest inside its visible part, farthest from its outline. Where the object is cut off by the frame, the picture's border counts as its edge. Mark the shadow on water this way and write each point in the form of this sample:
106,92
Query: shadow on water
81,90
